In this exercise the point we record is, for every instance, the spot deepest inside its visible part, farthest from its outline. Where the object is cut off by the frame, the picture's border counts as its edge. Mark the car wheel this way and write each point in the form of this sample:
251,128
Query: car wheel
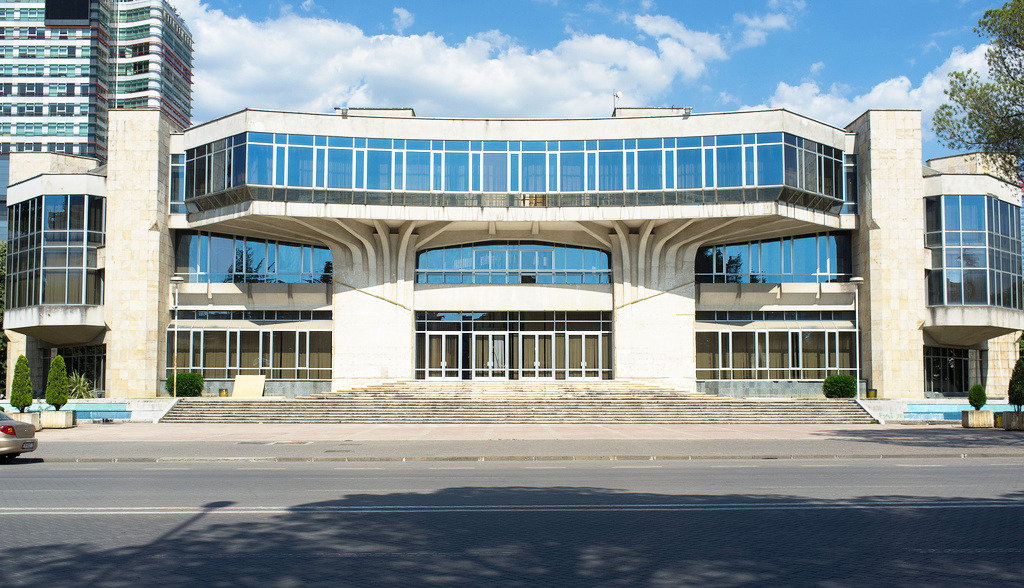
8,457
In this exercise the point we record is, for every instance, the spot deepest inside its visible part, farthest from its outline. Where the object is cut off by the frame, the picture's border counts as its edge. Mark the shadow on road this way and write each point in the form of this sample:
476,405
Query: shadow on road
616,539
944,437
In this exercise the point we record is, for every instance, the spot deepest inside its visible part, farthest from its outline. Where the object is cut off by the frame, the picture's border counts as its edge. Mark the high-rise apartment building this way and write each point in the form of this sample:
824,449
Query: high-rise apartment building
64,63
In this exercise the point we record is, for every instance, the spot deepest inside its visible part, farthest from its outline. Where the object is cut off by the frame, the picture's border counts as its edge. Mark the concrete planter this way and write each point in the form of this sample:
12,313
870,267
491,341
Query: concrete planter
1013,420
57,419
26,417
974,419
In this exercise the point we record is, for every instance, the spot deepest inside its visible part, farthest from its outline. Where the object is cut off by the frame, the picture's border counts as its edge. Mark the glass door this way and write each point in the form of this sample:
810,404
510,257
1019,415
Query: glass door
583,355
537,356
490,355
443,355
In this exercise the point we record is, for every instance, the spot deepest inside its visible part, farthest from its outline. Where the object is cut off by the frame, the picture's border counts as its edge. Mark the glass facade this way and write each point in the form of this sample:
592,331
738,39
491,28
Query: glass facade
513,262
513,345
212,258
52,251
88,360
278,355
822,257
503,167
951,372
809,354
975,245
176,185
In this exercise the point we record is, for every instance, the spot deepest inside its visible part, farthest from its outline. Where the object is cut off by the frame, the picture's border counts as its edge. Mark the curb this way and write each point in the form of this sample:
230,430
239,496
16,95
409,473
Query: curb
507,458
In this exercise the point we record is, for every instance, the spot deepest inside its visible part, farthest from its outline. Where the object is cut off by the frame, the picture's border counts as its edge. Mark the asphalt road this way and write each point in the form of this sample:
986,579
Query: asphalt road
851,522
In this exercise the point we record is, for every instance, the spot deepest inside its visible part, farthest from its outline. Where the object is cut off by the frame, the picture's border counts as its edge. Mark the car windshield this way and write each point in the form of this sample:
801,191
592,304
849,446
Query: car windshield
4,417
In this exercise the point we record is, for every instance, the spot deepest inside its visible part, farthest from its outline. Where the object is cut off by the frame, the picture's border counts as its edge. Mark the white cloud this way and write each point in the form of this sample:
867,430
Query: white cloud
295,62
308,5
403,20
817,67
835,106
756,28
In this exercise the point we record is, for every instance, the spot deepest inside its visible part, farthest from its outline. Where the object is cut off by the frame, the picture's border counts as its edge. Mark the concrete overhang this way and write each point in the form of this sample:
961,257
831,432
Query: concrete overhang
57,324
314,223
769,297
495,297
246,296
72,183
972,184
967,326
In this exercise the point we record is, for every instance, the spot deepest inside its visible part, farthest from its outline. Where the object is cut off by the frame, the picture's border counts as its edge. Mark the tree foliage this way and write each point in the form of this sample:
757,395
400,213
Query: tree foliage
977,397
839,386
1015,394
79,387
21,387
57,384
189,384
988,115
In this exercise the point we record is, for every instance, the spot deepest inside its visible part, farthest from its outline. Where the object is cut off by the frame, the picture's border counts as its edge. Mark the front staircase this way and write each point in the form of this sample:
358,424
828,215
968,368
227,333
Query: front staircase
511,402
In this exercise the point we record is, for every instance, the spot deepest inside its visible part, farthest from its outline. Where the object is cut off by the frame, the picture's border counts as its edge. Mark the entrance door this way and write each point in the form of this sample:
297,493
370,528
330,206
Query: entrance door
490,355
537,356
443,355
584,355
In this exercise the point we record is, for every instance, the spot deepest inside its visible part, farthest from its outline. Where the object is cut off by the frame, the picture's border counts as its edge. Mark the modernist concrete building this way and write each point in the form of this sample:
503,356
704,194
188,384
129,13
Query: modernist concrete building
743,254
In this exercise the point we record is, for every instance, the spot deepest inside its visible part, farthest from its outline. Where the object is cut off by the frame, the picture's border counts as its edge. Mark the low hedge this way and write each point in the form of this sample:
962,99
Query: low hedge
839,386
189,384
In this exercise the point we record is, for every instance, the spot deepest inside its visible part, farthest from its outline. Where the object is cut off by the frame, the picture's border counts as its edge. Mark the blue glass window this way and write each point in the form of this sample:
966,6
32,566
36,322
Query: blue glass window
495,172
650,172
534,172
399,169
300,166
438,170
513,262
609,170
688,168
378,170
709,167
769,165
456,171
572,172
261,164
513,173
730,166
339,168
417,172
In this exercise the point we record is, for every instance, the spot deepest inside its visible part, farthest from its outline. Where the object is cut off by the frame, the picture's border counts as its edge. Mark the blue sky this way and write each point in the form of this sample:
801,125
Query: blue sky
535,58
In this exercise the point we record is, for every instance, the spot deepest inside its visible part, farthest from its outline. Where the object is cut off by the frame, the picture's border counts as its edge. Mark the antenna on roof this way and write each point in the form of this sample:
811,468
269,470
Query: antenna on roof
615,99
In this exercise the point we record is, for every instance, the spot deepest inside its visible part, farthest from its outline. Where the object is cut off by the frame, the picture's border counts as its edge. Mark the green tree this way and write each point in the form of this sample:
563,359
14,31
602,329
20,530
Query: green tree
21,387
988,115
57,384
1016,388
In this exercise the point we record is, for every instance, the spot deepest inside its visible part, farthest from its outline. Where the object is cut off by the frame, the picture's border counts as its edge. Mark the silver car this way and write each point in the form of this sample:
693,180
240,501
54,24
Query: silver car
16,438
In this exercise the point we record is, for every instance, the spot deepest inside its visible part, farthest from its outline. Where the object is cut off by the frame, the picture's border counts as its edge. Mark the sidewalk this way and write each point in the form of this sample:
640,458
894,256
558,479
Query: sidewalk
280,442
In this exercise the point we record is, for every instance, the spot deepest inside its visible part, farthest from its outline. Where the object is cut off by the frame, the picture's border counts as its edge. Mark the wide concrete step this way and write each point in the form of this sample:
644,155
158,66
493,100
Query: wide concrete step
549,410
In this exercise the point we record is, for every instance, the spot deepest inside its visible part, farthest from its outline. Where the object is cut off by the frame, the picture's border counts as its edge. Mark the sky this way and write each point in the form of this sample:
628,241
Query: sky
827,59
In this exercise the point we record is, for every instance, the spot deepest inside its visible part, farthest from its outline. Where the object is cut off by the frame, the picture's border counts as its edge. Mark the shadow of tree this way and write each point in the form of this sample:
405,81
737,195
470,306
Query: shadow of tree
525,536
946,437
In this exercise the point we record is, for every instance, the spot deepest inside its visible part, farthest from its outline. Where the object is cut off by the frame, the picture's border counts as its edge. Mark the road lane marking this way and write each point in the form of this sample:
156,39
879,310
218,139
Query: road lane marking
352,468
455,468
543,467
634,467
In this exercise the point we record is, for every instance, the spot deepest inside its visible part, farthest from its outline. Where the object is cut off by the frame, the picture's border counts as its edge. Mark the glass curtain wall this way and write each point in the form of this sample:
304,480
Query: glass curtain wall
221,354
513,262
596,165
822,257
775,354
975,245
213,258
950,372
513,345
52,251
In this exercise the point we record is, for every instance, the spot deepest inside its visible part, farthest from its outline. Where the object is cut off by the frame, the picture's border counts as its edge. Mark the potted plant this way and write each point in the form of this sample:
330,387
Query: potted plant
21,393
57,396
977,418
1014,420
